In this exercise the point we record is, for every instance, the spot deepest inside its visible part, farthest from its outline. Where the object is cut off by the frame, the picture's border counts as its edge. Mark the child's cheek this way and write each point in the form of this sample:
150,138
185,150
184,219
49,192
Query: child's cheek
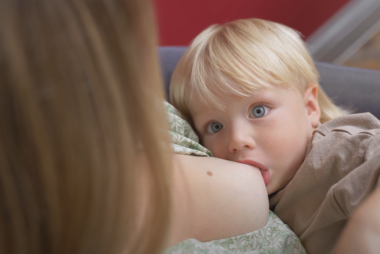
209,144
205,141
215,146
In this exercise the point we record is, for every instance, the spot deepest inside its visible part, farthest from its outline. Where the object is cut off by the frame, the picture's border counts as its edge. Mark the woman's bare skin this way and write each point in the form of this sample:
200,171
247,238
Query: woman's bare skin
215,199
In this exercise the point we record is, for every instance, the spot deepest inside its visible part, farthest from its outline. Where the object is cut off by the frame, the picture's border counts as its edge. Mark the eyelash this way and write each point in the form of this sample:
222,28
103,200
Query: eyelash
210,125
266,110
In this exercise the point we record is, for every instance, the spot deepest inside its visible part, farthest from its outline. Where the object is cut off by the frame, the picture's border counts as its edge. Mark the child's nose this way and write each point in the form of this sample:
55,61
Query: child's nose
240,140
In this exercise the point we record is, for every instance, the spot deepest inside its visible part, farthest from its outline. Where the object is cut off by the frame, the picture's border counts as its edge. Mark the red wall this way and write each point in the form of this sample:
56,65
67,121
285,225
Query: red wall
180,21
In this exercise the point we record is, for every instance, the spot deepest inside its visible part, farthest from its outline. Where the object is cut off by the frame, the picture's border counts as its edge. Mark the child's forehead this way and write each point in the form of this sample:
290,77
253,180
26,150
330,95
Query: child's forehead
199,107
197,104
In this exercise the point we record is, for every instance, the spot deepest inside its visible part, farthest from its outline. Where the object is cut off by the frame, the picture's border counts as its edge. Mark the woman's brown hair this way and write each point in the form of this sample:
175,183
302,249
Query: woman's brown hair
80,101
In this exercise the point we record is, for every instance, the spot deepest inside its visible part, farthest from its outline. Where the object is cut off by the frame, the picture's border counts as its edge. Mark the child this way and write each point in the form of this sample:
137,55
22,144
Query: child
250,89
222,231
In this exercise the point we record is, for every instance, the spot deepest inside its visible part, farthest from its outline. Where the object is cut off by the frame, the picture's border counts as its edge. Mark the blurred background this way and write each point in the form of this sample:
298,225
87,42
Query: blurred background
344,32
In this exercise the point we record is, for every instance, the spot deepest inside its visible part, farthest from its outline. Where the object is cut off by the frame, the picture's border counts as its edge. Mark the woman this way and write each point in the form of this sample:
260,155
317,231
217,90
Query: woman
78,81
83,167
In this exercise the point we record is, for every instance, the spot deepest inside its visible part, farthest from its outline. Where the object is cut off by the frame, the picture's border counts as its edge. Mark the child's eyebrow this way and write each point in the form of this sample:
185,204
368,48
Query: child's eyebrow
200,117
196,111
199,109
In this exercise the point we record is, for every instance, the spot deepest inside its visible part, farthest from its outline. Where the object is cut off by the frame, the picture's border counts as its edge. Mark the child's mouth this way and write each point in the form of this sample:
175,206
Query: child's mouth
264,172
266,176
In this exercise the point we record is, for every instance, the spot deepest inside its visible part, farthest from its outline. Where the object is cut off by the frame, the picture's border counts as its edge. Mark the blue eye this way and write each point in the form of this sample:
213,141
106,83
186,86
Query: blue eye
259,111
214,127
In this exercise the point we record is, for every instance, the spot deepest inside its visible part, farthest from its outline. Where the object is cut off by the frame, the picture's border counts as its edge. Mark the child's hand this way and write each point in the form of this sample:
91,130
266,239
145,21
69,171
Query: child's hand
362,233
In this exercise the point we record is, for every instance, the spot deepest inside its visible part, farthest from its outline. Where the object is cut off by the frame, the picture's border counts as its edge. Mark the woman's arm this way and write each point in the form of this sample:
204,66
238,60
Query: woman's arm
362,233
215,199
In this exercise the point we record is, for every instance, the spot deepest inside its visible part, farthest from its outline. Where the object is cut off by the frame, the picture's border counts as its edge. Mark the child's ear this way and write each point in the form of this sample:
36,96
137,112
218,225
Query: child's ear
312,105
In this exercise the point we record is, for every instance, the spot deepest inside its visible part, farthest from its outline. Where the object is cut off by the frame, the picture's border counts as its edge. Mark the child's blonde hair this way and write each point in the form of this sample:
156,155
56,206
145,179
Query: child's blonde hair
238,59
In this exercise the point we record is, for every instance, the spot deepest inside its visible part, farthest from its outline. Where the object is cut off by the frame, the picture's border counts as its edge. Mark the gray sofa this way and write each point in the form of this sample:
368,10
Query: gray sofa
355,89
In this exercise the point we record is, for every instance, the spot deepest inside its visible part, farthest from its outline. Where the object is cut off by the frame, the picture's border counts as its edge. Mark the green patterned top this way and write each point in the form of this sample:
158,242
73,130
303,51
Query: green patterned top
184,139
275,237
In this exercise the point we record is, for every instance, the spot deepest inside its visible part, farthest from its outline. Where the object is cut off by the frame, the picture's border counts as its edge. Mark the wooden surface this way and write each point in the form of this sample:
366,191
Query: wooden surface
367,56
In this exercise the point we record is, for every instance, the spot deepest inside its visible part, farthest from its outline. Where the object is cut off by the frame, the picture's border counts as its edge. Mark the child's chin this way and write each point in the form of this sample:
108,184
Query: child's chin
270,189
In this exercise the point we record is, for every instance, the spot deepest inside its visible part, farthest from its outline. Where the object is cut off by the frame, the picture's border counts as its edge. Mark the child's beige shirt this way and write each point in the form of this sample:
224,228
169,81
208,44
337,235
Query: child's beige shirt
341,168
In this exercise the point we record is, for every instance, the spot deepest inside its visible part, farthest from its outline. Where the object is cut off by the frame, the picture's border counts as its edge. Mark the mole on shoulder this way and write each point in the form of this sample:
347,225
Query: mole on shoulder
209,173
